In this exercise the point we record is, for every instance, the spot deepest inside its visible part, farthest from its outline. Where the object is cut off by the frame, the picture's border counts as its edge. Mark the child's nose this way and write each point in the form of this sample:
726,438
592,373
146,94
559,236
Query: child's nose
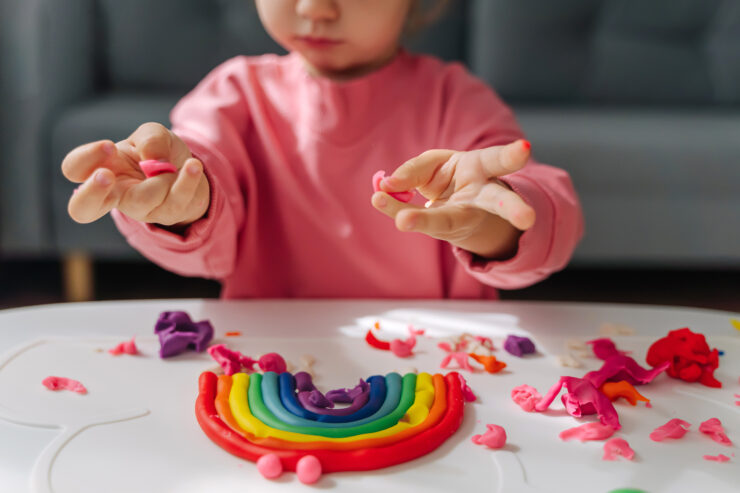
318,10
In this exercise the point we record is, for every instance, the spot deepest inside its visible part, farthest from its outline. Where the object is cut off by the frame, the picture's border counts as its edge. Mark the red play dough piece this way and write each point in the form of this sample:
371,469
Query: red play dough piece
689,356
377,343
62,383
716,458
154,167
400,196
331,460
675,428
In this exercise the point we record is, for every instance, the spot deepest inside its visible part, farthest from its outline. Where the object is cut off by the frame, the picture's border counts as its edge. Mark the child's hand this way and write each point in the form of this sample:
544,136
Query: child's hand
469,207
111,178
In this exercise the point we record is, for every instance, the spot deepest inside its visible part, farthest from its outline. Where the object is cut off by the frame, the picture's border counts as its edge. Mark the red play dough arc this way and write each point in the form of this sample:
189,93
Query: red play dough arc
331,460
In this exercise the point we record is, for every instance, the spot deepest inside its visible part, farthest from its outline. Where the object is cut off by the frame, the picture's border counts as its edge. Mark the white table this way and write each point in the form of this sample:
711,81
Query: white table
153,443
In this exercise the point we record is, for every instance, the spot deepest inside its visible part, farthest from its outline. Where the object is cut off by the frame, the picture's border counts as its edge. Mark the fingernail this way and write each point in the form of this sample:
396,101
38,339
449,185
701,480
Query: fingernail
526,144
102,179
109,147
194,169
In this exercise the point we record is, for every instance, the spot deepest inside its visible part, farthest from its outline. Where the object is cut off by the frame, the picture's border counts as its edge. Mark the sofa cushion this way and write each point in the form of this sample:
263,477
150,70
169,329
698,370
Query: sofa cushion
658,52
656,186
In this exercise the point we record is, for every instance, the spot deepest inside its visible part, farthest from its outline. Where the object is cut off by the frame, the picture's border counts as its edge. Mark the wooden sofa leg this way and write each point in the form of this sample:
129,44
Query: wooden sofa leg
78,276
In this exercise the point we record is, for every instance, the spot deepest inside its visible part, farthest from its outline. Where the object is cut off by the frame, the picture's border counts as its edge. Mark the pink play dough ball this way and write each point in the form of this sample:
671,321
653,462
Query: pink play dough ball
269,466
308,469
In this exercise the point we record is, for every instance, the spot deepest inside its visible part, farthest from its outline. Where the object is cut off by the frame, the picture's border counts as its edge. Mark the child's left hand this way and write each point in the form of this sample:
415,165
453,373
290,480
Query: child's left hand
470,207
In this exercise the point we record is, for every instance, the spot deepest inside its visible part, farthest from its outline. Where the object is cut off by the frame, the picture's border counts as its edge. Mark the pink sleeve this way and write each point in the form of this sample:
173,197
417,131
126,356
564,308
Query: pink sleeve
212,120
482,120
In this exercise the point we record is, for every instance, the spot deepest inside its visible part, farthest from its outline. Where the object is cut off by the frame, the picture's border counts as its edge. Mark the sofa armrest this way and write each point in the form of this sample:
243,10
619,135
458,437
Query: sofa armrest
47,63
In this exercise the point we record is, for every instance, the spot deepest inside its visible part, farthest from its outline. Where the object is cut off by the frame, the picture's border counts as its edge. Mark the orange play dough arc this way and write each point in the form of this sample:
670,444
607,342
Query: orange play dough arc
615,390
436,412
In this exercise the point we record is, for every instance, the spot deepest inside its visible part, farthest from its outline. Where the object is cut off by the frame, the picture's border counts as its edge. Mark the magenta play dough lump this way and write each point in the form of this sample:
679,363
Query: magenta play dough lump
308,469
269,466
526,397
62,383
154,167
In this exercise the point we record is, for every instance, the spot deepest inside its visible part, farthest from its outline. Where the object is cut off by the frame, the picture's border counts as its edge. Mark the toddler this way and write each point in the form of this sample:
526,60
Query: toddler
275,155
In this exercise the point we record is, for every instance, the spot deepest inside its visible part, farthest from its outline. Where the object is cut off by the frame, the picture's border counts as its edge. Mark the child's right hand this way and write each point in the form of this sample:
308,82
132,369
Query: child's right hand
111,178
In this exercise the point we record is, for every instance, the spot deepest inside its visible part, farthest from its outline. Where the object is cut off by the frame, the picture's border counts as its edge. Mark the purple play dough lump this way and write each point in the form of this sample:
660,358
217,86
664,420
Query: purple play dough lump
519,346
178,333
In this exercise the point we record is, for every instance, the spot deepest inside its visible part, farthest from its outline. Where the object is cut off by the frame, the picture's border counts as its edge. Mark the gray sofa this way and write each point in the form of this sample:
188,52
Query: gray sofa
639,101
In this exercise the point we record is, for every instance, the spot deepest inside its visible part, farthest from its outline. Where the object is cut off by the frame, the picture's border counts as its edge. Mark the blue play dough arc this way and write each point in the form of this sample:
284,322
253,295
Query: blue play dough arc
288,399
271,397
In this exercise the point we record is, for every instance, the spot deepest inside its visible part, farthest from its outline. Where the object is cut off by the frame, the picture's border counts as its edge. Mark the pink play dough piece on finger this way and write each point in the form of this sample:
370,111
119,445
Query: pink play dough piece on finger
617,446
675,428
494,438
154,167
62,383
713,428
588,431
401,196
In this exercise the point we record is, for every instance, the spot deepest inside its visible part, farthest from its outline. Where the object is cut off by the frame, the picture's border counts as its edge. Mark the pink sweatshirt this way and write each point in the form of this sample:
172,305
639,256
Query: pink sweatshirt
290,157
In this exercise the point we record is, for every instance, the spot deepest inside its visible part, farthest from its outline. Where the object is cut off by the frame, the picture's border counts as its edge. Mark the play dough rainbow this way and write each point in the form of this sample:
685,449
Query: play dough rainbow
396,419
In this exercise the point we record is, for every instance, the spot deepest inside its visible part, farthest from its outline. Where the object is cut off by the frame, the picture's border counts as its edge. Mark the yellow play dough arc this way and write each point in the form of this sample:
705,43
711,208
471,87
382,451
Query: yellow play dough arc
415,415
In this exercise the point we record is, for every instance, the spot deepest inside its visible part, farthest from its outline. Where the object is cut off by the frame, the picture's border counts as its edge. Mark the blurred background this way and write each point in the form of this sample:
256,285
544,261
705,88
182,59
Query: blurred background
639,101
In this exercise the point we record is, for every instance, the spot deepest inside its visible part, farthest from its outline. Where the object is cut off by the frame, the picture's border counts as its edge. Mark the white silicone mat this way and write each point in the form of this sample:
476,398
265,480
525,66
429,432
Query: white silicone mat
136,430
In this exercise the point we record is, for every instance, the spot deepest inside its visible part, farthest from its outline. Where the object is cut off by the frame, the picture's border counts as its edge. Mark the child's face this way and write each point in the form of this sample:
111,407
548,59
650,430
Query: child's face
337,38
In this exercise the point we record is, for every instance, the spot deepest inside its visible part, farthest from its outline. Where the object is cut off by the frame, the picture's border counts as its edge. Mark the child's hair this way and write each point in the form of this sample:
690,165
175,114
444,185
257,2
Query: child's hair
424,13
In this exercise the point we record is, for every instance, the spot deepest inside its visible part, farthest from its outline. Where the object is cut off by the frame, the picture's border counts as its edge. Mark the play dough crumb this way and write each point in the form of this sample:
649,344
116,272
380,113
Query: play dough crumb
62,383
588,431
570,361
615,447
269,466
234,333
713,428
308,469
494,438
128,347
717,458
675,428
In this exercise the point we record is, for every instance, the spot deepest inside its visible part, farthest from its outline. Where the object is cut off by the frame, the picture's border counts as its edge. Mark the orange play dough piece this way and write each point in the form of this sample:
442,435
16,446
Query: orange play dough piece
490,363
436,413
615,390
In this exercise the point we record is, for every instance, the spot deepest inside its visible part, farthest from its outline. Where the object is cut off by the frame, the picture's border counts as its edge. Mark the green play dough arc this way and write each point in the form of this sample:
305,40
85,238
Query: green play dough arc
259,410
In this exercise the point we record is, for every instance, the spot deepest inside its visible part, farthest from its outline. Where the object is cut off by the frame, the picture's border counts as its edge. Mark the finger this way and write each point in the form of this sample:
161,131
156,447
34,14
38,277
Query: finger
501,160
179,200
93,199
420,171
79,164
451,223
140,199
152,141
500,200
388,205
